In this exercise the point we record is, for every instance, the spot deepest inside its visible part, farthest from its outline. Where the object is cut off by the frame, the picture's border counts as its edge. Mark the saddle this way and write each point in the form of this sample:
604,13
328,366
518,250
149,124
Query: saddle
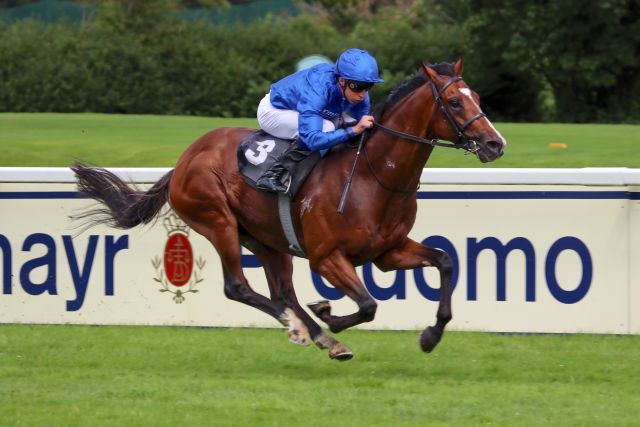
259,151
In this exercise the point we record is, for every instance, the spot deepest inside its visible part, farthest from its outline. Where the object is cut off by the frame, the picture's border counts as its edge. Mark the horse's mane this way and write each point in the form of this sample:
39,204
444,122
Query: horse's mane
404,89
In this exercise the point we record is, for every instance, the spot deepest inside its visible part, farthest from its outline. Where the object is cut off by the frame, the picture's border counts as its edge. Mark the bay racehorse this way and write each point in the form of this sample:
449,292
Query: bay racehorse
209,194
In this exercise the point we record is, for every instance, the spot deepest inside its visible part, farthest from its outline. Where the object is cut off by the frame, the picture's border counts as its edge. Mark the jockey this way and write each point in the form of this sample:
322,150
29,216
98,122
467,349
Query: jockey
311,106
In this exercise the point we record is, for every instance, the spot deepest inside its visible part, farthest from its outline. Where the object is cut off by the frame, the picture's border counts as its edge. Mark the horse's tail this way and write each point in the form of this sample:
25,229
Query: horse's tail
126,207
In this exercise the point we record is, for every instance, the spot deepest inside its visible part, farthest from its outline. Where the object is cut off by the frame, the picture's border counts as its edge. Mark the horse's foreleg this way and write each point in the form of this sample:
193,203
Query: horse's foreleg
278,269
412,254
339,271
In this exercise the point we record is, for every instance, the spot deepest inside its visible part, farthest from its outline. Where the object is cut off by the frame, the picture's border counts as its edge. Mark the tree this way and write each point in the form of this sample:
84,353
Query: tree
146,17
587,52
345,14
7,4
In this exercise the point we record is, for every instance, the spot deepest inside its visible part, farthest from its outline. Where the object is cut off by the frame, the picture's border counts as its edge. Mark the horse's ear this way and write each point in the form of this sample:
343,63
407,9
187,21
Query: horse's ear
457,68
430,72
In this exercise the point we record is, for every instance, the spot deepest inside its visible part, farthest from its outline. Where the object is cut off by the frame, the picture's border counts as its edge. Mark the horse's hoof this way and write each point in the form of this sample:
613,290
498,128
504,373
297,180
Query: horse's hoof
320,307
341,352
429,339
342,357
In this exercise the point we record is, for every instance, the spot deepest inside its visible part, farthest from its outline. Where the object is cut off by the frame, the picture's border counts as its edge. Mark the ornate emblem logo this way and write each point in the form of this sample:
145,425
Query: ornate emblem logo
175,271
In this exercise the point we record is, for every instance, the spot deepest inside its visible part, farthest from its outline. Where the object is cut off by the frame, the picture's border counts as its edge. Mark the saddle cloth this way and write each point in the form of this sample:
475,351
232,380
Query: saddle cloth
259,151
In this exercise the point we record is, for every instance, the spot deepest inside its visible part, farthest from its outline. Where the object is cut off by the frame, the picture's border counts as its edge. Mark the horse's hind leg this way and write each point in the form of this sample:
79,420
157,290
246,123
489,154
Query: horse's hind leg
220,227
278,269
412,254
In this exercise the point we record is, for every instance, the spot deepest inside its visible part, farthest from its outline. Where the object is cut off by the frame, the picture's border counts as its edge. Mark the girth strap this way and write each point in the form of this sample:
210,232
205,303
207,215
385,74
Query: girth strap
284,208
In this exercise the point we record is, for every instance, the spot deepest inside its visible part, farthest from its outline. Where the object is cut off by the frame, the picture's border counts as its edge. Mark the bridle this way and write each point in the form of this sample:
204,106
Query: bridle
462,140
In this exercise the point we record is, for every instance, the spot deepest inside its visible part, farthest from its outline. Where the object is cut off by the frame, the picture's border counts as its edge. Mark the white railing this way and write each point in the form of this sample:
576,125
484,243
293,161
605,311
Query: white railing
522,176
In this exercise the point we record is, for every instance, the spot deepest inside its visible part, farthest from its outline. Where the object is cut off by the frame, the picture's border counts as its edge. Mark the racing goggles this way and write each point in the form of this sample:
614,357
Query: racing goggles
356,86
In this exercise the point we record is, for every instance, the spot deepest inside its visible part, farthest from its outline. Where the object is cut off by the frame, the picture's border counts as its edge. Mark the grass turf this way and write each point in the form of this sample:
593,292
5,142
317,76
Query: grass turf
53,139
168,376
78,375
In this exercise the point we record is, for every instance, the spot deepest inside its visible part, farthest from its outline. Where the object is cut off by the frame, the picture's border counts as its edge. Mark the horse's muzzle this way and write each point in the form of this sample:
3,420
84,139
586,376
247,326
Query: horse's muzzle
491,150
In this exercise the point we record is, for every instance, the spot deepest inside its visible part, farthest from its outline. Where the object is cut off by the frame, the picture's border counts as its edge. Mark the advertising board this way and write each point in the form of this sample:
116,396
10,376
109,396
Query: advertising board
553,256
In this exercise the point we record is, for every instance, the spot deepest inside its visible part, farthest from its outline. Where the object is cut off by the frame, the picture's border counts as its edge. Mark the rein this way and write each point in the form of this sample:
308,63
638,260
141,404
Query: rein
462,141
435,142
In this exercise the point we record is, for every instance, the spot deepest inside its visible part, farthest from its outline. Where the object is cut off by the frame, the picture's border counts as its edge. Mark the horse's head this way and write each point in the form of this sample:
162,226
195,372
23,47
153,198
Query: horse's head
458,116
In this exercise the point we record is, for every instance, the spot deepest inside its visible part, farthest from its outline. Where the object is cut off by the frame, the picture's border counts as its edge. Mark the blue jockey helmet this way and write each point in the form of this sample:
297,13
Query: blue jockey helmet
358,65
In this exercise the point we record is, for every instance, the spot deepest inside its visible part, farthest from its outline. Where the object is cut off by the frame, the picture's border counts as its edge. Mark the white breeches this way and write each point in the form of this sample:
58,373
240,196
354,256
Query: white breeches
284,123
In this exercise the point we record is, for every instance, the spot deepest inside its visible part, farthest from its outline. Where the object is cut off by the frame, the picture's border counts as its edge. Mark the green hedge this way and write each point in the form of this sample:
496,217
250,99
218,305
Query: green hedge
203,69
195,69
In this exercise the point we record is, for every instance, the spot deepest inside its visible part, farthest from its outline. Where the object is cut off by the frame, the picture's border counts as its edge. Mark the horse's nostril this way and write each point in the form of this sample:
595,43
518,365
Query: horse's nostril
494,146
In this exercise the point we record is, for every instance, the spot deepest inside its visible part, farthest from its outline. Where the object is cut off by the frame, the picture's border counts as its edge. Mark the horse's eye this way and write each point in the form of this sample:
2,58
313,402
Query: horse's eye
454,102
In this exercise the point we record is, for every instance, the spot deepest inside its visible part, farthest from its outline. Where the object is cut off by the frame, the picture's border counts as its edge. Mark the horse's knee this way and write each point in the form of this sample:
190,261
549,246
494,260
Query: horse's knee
368,309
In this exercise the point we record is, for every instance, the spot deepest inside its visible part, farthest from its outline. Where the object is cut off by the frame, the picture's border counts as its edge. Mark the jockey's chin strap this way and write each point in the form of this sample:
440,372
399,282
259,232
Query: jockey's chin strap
462,141
343,89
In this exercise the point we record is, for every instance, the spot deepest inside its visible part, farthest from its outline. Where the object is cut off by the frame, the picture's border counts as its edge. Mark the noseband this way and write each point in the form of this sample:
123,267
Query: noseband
462,141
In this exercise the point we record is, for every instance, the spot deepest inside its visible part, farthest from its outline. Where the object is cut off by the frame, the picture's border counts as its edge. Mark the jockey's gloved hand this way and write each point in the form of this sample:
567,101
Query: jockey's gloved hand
366,122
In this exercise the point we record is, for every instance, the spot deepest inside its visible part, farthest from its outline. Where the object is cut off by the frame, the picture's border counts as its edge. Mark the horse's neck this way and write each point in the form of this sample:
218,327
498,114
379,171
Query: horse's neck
399,162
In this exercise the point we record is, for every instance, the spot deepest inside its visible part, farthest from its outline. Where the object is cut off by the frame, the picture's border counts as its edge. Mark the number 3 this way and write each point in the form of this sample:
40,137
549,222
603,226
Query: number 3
264,148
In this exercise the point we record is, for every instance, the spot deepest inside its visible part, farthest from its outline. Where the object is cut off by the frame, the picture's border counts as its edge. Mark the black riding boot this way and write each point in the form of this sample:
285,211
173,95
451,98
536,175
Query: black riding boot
271,180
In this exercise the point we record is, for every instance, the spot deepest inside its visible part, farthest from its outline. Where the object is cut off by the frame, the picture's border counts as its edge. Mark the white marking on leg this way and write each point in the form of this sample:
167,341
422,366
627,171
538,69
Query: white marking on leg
426,263
298,332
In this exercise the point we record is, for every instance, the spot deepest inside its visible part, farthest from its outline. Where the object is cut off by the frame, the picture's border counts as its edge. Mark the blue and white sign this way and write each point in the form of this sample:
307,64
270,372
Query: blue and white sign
527,257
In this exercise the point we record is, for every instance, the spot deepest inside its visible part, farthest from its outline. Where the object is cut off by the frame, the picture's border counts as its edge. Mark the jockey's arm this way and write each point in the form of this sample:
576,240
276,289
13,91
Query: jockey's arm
311,134
310,126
